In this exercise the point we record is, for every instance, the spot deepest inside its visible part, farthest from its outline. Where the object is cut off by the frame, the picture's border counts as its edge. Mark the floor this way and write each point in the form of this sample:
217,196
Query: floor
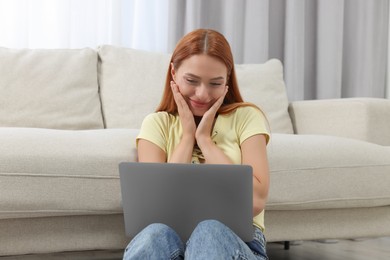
377,249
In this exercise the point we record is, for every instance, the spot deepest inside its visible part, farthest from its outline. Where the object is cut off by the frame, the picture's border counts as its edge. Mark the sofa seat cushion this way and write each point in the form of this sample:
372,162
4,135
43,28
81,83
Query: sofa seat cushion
47,172
325,172
55,89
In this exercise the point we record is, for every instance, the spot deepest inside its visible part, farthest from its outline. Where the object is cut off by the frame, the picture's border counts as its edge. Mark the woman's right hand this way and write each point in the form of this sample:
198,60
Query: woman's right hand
185,114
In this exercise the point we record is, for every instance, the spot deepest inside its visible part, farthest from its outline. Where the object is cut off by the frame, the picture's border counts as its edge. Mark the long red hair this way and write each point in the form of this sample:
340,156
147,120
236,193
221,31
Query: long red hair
210,42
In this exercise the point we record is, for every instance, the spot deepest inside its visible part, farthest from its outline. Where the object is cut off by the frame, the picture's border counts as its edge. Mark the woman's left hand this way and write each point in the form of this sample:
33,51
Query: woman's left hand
203,131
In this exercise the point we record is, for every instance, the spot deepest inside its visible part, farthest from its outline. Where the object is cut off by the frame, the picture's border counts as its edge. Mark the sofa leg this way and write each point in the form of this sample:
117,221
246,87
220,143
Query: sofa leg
286,245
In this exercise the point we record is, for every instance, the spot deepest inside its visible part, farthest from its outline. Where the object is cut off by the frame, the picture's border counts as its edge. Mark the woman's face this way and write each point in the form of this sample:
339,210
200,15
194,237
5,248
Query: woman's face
201,80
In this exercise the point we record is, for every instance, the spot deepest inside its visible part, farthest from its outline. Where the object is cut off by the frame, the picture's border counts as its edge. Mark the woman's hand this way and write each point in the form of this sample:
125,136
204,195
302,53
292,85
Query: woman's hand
185,114
203,131
183,151
211,152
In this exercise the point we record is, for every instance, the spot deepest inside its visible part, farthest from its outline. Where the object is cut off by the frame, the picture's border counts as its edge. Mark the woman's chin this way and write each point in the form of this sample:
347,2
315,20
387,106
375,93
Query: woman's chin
197,112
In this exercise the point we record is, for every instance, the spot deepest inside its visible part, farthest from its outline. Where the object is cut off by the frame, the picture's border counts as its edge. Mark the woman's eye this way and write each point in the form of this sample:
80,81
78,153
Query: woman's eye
191,81
215,84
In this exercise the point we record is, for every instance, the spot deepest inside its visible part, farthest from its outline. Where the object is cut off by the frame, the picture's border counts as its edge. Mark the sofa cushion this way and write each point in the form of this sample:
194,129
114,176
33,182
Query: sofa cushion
365,119
325,172
49,89
263,85
46,172
132,83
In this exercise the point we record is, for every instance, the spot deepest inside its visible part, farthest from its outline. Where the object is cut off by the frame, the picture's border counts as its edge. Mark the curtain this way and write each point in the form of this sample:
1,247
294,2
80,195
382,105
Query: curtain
329,48
388,60
59,23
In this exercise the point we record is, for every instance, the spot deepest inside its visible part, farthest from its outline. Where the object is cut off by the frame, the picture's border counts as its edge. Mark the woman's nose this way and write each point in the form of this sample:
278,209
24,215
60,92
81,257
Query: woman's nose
202,92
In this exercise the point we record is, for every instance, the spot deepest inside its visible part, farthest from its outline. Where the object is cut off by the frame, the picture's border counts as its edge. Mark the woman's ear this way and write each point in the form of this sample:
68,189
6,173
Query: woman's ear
173,74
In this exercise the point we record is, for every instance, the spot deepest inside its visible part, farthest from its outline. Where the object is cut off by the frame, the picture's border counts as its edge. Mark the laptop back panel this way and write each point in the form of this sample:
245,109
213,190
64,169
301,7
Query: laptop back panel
182,195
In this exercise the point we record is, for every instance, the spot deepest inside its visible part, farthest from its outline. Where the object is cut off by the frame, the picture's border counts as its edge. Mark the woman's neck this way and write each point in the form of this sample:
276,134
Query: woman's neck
197,120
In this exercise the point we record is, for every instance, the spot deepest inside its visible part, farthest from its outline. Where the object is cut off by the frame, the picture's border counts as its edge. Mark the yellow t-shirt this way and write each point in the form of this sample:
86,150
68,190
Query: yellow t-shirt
165,130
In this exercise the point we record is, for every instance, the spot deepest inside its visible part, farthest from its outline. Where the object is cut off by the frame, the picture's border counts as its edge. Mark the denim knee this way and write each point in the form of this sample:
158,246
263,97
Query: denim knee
210,229
210,226
212,239
158,229
156,241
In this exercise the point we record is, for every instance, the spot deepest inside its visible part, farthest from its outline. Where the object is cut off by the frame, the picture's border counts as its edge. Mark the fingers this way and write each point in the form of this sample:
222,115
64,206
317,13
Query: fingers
185,114
210,114
180,102
175,89
206,124
220,100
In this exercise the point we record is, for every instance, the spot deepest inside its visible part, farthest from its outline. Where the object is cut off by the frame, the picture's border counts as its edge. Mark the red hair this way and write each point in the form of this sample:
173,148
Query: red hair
214,44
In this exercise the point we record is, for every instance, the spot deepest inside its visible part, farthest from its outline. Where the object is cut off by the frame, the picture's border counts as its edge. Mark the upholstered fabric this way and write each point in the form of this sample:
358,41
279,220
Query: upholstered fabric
132,83
47,172
366,119
60,189
20,236
49,89
263,85
343,223
106,232
60,167
327,172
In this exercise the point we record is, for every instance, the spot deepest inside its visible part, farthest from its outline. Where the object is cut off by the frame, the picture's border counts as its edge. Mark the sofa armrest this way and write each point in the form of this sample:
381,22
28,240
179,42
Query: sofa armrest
366,119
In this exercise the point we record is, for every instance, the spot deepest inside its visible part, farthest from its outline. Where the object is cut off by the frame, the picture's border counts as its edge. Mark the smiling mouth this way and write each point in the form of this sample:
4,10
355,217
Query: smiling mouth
198,104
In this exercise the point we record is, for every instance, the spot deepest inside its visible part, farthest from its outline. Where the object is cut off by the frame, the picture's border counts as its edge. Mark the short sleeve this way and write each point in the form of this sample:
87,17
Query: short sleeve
251,121
154,129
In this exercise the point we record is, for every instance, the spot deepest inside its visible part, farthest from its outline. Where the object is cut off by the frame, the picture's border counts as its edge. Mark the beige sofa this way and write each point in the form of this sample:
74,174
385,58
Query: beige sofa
68,117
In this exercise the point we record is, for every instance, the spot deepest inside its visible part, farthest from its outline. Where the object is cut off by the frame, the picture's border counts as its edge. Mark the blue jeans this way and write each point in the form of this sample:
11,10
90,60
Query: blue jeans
210,240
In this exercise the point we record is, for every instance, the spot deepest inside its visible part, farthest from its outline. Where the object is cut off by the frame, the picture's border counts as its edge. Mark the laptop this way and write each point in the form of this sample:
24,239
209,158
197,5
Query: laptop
183,195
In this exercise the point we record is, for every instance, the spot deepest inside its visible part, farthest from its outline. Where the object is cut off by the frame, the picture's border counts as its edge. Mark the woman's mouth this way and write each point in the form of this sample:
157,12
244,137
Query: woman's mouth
198,104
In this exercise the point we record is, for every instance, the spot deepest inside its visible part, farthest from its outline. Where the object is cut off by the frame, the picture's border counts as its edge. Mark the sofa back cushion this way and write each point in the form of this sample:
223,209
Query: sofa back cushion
55,89
132,82
263,85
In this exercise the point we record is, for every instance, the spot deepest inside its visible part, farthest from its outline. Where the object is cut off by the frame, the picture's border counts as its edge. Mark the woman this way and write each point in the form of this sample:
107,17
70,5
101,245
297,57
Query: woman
203,119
